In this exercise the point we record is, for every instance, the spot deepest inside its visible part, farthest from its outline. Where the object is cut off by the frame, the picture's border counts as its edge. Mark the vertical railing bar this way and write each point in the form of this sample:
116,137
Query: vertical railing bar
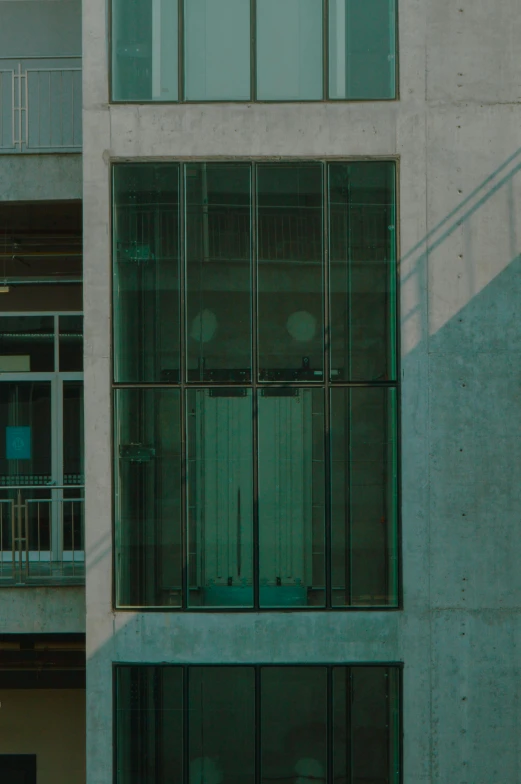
327,378
72,108
26,93
185,538
254,381
61,109
73,549
50,112
13,537
39,112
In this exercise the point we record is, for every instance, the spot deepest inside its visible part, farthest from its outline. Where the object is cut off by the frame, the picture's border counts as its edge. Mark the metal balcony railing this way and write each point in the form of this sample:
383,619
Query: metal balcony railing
40,105
41,535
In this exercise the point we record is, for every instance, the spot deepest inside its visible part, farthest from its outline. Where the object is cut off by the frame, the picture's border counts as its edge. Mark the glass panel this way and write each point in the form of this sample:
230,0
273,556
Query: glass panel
217,50
365,724
26,344
144,50
146,272
289,50
148,491
291,497
220,497
364,496
222,725
362,43
73,433
25,433
149,724
363,271
291,332
293,725
218,250
71,343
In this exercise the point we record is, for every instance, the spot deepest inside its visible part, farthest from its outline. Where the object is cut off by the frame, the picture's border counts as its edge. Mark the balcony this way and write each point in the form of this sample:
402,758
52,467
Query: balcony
41,535
40,105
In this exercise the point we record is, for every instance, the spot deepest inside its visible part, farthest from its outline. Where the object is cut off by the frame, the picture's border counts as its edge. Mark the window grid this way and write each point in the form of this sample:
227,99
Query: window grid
181,48
326,384
144,687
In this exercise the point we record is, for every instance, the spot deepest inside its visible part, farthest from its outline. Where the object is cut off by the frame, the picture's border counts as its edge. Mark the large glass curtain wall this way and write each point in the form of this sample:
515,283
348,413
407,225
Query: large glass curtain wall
255,385
253,50
255,725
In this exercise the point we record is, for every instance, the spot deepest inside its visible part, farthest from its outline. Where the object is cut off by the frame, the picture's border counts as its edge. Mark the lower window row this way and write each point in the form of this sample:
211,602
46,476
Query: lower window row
258,724
269,497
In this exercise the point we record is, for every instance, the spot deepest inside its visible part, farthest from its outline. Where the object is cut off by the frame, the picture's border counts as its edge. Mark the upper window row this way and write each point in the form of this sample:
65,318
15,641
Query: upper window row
253,50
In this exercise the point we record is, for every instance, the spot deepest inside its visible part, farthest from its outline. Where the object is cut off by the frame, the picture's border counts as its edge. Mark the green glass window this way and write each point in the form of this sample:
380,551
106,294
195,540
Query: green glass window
253,50
255,385
315,723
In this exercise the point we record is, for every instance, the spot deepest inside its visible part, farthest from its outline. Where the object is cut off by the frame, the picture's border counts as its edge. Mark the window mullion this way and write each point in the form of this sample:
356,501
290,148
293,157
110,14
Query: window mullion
255,371
327,374
180,53
182,371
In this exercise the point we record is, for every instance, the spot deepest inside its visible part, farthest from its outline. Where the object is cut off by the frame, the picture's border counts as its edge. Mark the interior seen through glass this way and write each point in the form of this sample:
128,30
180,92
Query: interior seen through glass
276,446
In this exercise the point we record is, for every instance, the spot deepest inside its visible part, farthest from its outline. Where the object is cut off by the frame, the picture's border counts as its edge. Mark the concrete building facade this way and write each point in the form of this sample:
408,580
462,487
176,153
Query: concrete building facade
449,638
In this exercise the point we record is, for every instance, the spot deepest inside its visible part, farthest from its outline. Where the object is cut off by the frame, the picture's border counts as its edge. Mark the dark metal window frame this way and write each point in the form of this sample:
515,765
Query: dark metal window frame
253,65
325,384
398,667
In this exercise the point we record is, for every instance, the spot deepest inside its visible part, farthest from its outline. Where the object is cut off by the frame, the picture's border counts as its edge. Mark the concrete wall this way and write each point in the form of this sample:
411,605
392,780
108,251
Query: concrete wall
40,177
37,610
49,723
456,134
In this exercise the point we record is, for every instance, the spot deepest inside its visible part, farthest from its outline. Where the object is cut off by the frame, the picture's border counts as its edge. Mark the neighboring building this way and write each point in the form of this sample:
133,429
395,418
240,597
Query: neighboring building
296,505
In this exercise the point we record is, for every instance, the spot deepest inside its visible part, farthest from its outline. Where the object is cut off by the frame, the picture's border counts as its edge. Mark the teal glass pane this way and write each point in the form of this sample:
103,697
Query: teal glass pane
217,50
222,725
26,344
149,724
363,497
147,454
145,50
289,50
365,724
220,497
218,272
293,725
290,272
146,272
291,497
71,343
362,249
362,49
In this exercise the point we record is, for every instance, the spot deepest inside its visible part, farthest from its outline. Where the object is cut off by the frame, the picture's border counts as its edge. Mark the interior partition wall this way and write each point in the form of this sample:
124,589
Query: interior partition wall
257,724
255,385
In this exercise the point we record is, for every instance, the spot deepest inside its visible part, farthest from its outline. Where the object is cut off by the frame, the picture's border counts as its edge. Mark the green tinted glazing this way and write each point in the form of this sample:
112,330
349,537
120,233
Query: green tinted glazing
149,724
220,497
365,724
364,496
221,725
289,50
218,272
71,343
31,339
146,272
145,50
291,497
293,724
217,50
290,272
362,48
147,453
362,271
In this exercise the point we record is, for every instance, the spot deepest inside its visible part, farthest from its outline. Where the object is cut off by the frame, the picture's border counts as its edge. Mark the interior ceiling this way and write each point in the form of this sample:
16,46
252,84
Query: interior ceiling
41,240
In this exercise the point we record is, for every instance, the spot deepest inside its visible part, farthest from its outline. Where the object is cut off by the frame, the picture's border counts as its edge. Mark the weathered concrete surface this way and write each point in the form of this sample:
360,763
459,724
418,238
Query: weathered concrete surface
43,610
40,177
457,134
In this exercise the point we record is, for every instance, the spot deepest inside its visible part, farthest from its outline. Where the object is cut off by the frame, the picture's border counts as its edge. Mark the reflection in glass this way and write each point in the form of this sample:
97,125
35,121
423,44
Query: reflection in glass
147,454
289,50
222,725
217,50
218,248
363,271
291,497
73,473
71,343
290,275
365,724
146,272
362,43
220,497
149,724
145,50
26,344
293,724
364,496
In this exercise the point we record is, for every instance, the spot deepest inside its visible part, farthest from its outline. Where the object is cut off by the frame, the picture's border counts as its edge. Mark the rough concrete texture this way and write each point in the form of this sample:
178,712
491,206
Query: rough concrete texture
38,610
456,133
40,177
